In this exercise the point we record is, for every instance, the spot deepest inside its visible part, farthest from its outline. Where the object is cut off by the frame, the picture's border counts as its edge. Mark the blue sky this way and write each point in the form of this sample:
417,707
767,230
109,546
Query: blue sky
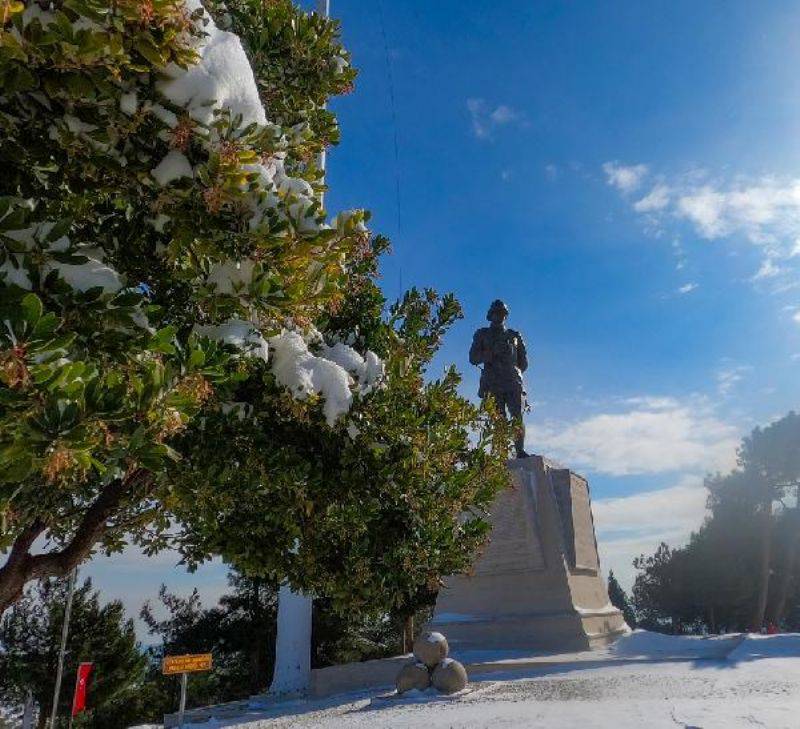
627,177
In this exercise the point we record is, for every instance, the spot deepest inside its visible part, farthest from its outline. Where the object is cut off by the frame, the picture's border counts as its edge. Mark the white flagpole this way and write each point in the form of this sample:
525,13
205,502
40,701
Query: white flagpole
64,632
292,672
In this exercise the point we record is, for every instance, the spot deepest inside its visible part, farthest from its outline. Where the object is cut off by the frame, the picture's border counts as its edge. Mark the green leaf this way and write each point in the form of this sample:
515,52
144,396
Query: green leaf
32,309
161,341
149,51
197,358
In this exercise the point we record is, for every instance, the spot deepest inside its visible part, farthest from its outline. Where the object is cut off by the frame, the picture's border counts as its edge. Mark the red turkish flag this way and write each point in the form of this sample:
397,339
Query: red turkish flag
82,679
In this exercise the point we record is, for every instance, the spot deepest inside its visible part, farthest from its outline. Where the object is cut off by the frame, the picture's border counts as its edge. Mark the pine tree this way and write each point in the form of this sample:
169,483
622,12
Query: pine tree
619,599
239,632
742,563
30,634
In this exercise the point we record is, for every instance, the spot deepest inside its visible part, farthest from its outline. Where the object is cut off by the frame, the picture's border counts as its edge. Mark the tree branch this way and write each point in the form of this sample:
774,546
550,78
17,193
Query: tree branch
23,567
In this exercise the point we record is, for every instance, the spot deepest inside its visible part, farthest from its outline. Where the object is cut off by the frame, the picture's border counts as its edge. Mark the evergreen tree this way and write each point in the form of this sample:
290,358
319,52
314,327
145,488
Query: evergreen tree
370,516
192,343
30,634
619,599
155,229
771,458
742,563
239,632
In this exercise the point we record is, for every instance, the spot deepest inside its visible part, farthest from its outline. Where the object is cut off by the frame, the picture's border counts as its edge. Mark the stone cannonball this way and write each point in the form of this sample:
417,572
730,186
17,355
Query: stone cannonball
449,676
431,649
413,675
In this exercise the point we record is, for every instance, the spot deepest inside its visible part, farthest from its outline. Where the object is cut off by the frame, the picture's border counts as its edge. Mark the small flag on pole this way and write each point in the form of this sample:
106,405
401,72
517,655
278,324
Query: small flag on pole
82,679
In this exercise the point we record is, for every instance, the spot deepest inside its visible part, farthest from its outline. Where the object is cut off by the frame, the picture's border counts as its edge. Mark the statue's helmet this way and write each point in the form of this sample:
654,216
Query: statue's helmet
497,306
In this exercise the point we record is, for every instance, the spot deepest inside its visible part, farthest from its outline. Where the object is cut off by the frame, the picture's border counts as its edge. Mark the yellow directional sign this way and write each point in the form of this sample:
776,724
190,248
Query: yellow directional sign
190,663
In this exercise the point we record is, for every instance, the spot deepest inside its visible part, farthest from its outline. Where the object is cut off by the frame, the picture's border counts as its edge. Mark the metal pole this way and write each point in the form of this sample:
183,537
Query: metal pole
27,716
323,9
182,708
64,632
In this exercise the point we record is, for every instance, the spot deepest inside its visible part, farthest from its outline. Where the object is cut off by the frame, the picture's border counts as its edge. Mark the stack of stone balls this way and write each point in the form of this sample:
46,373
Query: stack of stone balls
431,666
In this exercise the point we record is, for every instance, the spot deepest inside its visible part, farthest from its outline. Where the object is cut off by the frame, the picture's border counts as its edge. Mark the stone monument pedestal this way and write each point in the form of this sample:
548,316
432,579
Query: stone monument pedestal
537,585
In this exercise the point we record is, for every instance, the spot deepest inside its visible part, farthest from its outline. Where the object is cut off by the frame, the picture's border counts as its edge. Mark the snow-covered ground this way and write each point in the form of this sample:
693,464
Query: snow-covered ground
646,681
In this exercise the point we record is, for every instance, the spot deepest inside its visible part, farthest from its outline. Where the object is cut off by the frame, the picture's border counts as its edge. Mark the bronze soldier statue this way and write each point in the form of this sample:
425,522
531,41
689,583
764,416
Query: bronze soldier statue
502,353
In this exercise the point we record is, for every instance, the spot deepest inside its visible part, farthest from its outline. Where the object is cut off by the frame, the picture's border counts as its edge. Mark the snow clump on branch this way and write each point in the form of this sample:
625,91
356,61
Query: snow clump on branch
222,79
333,373
305,366
241,334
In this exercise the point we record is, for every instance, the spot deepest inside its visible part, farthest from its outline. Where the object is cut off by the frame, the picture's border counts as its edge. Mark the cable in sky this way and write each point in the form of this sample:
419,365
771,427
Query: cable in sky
390,81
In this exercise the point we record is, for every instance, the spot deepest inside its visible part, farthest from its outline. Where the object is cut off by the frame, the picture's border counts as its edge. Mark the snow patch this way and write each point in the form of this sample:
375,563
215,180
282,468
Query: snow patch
85,276
368,370
128,103
241,334
304,373
230,277
646,643
173,167
222,78
435,637
783,645
15,273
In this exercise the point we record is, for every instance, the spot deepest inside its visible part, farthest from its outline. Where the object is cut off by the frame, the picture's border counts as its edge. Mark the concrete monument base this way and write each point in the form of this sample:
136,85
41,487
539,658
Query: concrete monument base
537,585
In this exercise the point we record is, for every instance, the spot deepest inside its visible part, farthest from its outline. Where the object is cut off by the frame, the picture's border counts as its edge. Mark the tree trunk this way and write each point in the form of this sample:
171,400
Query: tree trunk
765,552
258,646
779,607
14,573
22,567
408,634
712,621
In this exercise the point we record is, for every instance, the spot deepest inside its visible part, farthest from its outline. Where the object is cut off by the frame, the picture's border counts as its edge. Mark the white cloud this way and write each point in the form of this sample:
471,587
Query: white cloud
626,178
680,255
687,288
657,199
729,377
704,208
768,269
754,209
485,119
662,508
551,171
764,211
650,402
651,436
505,175
632,525
504,115
796,316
